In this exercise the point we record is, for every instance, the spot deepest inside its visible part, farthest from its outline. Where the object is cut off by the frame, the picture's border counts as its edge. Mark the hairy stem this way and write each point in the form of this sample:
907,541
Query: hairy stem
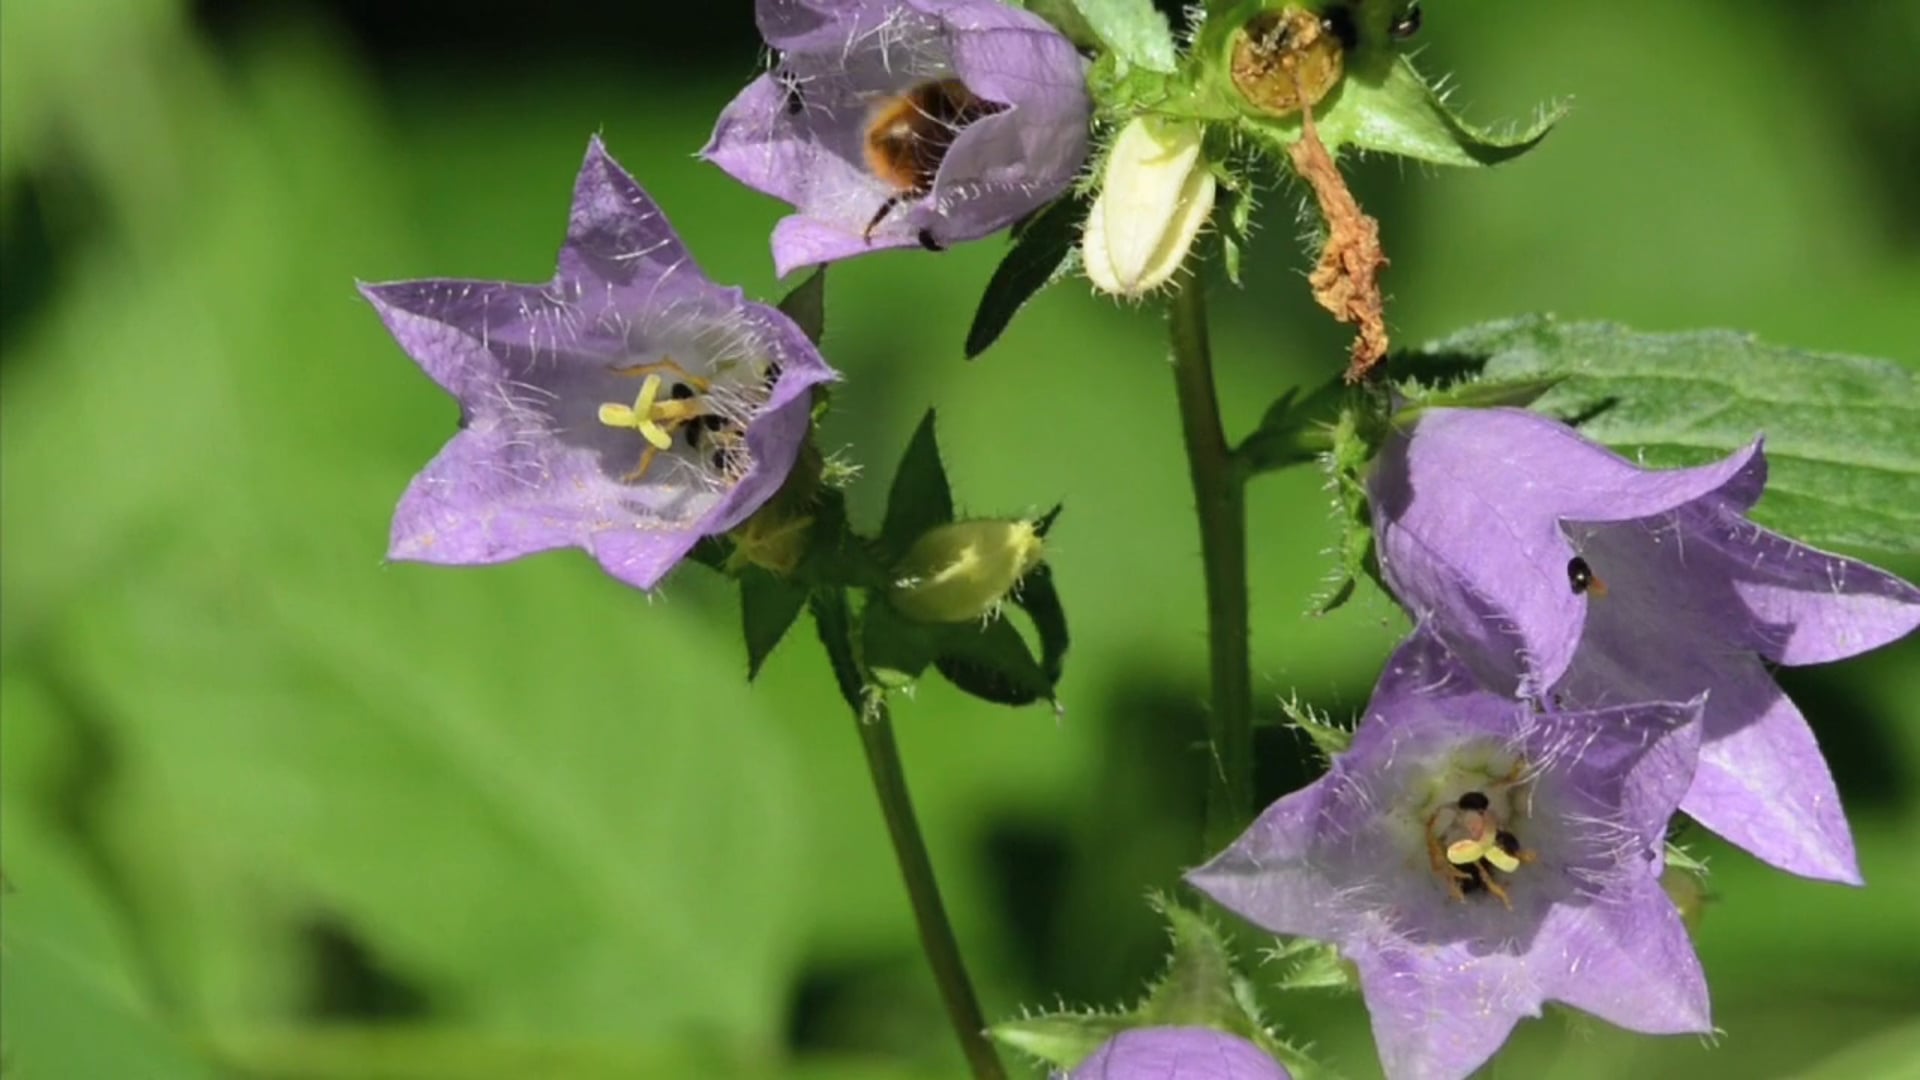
1219,502
875,726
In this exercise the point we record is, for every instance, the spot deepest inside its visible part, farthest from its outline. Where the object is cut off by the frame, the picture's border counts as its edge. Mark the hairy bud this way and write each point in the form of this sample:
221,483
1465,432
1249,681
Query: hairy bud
1156,194
962,571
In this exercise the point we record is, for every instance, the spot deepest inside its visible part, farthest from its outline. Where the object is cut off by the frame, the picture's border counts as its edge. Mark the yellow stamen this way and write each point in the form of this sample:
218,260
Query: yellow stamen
1501,861
644,414
1470,851
665,363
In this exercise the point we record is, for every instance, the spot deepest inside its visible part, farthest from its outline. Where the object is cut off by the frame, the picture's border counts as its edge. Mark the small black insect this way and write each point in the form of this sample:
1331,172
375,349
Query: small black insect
1473,801
1407,25
927,241
1579,575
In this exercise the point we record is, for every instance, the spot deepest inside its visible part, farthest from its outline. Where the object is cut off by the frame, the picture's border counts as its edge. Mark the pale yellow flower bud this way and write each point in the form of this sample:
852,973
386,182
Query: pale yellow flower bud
1155,195
962,571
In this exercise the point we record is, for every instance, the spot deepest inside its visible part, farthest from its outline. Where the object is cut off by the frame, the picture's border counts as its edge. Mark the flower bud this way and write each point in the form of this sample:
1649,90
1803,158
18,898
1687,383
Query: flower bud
1155,195
962,571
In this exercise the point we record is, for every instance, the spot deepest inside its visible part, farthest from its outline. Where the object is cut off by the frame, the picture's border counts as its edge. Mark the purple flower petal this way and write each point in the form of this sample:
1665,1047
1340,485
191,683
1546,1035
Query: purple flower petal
1480,515
1452,953
537,464
799,133
1469,512
1178,1053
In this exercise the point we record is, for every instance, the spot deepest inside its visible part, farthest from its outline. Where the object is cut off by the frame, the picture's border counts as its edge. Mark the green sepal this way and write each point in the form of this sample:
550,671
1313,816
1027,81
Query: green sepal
1200,987
990,661
1043,252
1060,1039
1330,739
1041,601
1383,104
896,650
1356,437
1306,964
768,606
806,305
920,497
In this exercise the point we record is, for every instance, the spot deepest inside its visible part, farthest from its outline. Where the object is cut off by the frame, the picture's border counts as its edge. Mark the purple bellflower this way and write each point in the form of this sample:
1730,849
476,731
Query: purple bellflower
890,123
1177,1053
1474,858
1560,571
628,407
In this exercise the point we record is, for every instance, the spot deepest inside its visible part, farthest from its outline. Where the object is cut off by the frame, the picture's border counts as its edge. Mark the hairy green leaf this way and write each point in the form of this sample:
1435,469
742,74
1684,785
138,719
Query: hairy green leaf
1041,254
919,498
806,305
1842,432
1136,32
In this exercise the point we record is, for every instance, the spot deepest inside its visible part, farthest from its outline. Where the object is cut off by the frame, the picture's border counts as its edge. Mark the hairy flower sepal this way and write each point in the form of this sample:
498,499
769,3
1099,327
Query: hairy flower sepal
1156,191
1474,859
1255,63
1561,571
1200,1011
901,123
630,406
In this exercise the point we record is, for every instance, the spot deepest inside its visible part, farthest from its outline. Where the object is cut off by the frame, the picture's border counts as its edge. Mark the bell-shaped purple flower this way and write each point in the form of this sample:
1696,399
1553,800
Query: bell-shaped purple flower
891,123
629,407
1474,858
1177,1053
1560,571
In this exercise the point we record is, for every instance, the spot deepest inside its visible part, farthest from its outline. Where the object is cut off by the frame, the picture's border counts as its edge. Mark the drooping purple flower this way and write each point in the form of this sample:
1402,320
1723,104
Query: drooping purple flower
628,407
1177,1053
890,123
1474,858
1561,571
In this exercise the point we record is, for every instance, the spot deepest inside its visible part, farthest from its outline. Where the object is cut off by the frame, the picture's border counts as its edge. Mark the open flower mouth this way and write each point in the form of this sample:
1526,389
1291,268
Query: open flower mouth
1471,844
698,420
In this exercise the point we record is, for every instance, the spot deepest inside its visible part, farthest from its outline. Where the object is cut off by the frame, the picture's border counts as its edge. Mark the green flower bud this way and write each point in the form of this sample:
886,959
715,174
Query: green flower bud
962,571
1156,193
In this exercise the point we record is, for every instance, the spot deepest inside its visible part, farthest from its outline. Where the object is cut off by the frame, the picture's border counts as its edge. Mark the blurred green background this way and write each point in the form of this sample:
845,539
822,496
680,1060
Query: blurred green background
274,809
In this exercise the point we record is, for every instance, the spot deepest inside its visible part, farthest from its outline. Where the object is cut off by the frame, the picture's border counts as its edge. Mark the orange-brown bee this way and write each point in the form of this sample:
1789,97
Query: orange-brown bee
911,133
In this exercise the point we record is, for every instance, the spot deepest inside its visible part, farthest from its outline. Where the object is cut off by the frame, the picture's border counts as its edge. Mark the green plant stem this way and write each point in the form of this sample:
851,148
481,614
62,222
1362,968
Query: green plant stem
875,725
1219,502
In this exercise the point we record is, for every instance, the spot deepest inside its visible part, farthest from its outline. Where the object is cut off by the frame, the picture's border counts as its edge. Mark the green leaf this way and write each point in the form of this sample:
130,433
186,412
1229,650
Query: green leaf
1842,432
1042,254
1066,18
806,305
1041,601
919,498
768,605
991,661
1136,32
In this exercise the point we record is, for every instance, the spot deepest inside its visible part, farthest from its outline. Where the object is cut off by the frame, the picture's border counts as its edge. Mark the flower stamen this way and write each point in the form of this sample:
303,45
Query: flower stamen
1467,865
654,419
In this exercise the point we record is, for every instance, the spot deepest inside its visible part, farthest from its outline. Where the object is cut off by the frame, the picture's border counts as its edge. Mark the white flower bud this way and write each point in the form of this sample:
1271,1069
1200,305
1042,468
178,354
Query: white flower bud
1156,194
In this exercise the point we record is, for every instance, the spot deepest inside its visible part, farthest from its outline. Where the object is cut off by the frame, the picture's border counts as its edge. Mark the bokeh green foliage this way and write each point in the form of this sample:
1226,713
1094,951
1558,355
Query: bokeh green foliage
273,809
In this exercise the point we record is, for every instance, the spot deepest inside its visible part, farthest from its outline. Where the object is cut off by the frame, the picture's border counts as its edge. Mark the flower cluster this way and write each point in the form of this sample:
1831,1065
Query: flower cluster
1587,659
630,406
